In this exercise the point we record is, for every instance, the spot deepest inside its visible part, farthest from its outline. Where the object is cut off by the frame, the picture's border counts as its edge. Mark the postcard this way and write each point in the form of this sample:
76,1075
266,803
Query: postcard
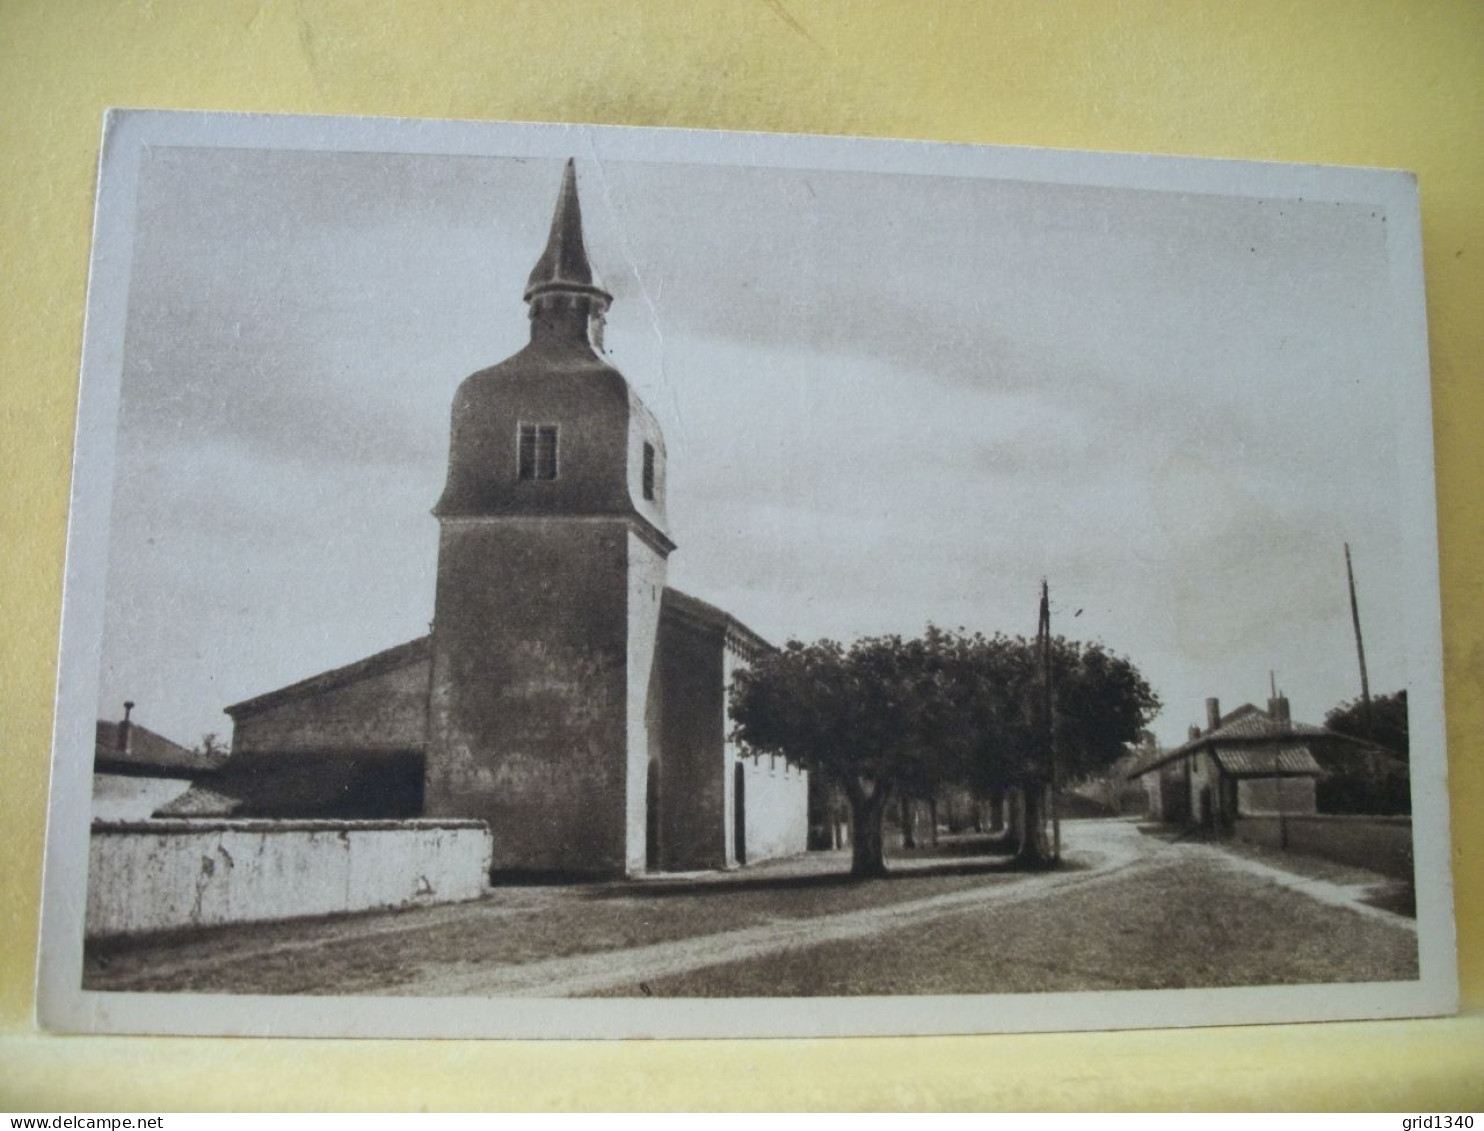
567,582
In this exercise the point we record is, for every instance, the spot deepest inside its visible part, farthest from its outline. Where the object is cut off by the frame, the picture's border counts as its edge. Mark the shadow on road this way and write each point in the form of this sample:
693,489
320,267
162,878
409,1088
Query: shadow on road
727,882
975,845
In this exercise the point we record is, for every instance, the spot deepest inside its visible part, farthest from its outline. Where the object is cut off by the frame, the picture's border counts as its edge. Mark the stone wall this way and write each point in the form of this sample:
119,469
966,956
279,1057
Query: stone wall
146,876
1379,844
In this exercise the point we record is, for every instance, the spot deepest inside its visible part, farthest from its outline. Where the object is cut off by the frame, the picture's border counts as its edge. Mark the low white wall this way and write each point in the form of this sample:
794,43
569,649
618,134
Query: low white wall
170,874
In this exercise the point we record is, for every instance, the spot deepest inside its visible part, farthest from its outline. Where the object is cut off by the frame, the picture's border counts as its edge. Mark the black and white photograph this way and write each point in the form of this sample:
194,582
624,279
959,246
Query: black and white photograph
589,582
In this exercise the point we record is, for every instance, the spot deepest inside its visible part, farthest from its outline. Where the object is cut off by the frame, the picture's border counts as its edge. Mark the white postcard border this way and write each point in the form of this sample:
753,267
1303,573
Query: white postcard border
64,1005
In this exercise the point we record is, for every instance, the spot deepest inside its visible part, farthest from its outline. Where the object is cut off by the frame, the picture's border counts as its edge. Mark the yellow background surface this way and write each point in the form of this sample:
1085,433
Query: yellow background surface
1356,83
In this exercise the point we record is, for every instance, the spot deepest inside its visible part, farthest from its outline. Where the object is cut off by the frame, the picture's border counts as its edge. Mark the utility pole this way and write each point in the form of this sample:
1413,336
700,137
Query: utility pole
1365,682
1043,639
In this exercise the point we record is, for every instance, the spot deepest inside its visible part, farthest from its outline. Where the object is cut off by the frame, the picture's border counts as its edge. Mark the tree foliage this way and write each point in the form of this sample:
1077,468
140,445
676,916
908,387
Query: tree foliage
859,716
1357,782
1098,702
906,716
212,749
1386,725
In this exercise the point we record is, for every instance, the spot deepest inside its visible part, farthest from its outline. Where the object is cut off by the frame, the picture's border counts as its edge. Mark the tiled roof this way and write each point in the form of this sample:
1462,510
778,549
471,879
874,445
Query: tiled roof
1258,724
687,608
403,655
200,801
1265,760
144,749
1251,738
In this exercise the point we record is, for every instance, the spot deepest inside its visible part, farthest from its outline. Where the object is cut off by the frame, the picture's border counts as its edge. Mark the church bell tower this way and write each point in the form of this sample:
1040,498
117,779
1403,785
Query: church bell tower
551,569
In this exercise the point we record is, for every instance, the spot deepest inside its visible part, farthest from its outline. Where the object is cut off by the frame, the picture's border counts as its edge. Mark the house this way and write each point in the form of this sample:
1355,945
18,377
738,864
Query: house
566,695
135,770
1250,762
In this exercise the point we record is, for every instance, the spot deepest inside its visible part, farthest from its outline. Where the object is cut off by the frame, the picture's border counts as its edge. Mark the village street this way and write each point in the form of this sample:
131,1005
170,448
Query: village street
1129,910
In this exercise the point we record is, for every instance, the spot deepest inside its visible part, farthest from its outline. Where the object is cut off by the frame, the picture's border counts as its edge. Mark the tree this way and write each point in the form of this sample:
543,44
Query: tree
901,716
1366,781
1100,701
1385,724
870,718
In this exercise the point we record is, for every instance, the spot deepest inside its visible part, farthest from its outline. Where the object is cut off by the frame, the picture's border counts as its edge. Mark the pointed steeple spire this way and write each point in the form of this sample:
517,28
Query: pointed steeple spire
564,266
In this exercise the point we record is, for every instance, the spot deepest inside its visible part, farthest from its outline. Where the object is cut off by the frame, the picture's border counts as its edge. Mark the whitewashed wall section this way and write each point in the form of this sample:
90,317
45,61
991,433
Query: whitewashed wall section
163,875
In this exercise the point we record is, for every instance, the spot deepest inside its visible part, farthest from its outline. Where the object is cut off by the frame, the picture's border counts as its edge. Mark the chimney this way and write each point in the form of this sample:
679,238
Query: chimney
1278,710
1195,733
124,727
1213,713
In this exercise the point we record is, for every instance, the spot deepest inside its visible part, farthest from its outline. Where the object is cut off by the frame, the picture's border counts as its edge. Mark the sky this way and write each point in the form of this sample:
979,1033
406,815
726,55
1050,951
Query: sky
887,399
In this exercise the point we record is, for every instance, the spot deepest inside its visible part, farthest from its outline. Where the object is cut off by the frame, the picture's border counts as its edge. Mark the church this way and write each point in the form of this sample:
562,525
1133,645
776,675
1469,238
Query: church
565,695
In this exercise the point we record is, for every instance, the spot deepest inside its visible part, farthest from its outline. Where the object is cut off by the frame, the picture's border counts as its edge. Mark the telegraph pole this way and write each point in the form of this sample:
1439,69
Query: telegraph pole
1365,682
1043,639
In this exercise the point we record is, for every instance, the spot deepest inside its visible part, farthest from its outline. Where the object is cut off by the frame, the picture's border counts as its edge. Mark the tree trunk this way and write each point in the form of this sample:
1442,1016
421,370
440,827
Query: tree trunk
933,822
867,844
997,811
1014,815
1033,847
907,839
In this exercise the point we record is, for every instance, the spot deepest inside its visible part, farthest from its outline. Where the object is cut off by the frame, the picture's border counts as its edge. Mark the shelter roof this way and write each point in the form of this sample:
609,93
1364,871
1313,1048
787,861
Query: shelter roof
1266,760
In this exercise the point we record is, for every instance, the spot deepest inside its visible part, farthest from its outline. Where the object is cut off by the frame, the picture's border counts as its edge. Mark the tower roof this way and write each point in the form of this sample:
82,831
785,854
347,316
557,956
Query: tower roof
564,265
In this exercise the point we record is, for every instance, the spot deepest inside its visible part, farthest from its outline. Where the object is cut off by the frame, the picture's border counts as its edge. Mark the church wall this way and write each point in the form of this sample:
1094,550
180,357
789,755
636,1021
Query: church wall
776,807
646,585
775,795
694,766
560,383
382,712
731,755
645,429
529,699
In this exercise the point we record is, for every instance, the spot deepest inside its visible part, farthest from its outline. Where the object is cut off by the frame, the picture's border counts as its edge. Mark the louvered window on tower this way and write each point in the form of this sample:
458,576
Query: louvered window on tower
538,451
649,471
